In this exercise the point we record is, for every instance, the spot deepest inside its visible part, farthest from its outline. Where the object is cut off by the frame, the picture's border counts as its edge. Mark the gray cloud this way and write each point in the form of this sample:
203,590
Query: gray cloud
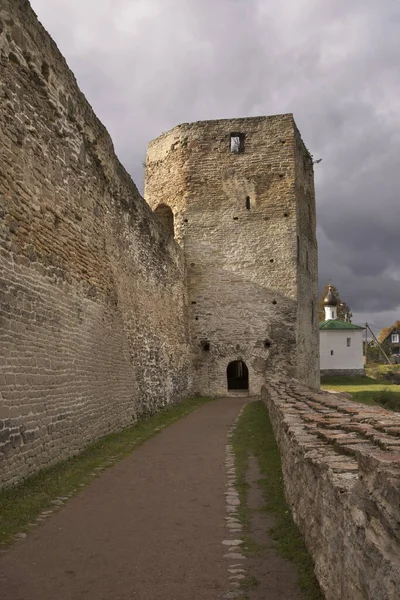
147,65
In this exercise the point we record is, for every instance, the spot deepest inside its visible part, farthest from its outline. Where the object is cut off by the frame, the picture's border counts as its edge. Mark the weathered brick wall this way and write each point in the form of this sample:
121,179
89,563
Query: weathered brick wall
244,277
341,469
92,298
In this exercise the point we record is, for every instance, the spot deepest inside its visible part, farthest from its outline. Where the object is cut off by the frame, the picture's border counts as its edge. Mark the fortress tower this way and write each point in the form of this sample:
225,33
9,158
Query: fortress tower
238,196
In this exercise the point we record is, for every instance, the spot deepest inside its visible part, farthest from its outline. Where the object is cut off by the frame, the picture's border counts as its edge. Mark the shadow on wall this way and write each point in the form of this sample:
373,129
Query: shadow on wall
166,216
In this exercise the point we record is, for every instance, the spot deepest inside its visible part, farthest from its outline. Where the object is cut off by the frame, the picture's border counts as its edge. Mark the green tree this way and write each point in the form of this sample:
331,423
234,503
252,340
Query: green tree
343,309
375,354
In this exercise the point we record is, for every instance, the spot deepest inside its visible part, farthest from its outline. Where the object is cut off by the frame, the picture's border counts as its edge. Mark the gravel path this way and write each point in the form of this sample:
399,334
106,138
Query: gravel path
149,528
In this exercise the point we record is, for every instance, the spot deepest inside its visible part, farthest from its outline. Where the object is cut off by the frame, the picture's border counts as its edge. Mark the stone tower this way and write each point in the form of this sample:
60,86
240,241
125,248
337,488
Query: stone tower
238,195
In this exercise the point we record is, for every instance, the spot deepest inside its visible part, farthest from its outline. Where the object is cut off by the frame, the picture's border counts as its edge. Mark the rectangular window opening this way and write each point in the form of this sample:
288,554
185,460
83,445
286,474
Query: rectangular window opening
348,342
395,338
331,352
248,202
237,143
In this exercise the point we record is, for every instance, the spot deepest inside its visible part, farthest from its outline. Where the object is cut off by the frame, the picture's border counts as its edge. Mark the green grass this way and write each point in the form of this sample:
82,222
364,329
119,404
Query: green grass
253,436
249,583
377,369
366,390
23,503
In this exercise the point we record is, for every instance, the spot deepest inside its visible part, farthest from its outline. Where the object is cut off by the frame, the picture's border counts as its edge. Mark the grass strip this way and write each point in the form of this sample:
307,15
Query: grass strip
366,390
21,504
253,436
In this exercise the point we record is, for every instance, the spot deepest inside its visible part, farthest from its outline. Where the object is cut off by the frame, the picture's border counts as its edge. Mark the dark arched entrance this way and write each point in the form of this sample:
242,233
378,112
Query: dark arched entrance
166,216
238,375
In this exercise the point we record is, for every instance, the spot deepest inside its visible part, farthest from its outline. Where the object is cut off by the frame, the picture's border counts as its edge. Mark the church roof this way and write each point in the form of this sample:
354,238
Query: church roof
336,324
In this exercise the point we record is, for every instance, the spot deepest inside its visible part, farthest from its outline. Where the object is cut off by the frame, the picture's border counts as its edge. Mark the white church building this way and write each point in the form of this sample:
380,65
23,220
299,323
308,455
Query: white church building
341,342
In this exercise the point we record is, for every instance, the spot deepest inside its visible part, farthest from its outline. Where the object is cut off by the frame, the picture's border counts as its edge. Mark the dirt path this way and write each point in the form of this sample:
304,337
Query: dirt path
149,528
155,527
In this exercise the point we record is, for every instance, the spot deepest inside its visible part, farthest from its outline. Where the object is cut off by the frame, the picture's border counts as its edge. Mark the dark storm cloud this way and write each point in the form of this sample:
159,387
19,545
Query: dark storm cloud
147,65
365,292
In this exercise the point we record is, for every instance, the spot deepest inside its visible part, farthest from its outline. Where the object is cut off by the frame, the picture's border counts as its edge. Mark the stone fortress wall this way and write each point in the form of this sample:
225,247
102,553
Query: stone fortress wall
93,306
341,470
246,223
307,268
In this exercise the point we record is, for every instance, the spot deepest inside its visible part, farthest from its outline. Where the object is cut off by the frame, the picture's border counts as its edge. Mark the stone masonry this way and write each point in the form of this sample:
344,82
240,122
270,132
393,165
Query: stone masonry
93,309
246,223
341,469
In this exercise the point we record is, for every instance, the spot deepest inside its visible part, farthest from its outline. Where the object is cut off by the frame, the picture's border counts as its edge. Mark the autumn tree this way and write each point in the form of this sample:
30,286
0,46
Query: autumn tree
343,310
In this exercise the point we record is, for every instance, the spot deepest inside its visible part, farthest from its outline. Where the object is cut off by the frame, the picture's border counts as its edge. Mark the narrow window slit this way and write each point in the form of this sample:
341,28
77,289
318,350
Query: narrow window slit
237,143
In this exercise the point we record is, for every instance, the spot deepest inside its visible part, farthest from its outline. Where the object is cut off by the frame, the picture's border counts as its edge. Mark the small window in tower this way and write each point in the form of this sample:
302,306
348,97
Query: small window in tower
348,342
248,202
298,249
331,352
237,143
312,313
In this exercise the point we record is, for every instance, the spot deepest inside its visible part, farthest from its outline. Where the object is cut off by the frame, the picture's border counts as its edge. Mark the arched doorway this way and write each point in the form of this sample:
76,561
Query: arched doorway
237,374
166,216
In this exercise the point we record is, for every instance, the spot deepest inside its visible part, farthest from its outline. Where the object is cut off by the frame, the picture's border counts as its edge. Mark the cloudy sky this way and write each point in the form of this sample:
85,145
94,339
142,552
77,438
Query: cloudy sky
147,65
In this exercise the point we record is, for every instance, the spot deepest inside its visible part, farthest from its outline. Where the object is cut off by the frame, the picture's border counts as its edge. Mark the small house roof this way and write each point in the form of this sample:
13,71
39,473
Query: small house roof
387,331
337,324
